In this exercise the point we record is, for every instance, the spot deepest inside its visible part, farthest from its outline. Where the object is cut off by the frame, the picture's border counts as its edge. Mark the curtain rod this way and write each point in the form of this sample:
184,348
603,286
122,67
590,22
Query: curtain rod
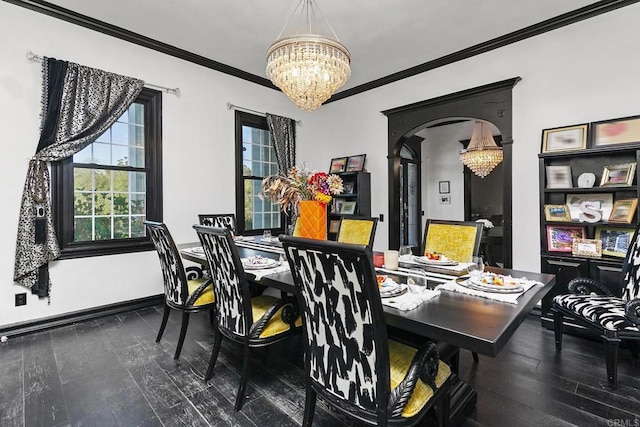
237,107
175,91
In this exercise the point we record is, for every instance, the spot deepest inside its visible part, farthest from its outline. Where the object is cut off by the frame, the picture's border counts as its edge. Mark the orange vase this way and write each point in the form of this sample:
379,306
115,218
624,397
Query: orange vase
312,221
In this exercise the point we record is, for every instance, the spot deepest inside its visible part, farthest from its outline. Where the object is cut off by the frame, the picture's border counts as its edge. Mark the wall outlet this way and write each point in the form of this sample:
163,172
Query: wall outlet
381,217
21,299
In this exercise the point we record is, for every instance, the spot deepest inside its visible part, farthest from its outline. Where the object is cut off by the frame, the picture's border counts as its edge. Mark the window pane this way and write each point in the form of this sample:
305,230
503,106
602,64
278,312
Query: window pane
121,228
137,227
138,204
83,203
101,154
83,230
120,203
120,180
101,180
82,179
136,157
103,228
103,204
120,155
120,133
84,155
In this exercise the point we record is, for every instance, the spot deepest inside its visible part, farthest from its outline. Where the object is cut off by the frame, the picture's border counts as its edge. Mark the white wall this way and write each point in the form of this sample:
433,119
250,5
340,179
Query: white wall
580,73
198,150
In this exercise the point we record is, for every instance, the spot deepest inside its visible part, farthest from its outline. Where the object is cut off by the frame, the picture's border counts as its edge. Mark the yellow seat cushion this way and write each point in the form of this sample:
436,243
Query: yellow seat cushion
354,231
207,295
275,326
400,357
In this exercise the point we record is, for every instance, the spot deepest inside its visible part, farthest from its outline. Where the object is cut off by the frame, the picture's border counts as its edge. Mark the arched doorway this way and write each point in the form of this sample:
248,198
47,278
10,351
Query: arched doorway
491,102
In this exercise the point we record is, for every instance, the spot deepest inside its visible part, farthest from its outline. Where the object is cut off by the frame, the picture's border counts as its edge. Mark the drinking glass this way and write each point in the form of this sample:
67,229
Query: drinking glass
405,252
417,285
476,267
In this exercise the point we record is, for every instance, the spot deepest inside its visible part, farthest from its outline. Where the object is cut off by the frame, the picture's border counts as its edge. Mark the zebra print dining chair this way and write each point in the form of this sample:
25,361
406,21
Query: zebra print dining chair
615,318
219,220
252,322
349,360
181,292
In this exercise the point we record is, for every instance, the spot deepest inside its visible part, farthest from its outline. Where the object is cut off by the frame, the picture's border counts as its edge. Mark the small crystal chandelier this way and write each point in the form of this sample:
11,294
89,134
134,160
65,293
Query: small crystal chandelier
308,68
482,154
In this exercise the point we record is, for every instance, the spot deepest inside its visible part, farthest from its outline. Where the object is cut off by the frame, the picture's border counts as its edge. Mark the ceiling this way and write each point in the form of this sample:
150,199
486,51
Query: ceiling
383,36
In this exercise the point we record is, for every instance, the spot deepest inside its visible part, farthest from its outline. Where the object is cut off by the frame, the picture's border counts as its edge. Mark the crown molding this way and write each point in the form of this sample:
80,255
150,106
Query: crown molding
560,21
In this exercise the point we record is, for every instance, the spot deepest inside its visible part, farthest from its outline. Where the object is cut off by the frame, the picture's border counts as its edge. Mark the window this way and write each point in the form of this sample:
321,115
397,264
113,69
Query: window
102,194
255,159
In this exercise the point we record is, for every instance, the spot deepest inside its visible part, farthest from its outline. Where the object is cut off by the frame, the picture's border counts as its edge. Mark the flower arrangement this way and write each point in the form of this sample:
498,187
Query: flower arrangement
300,184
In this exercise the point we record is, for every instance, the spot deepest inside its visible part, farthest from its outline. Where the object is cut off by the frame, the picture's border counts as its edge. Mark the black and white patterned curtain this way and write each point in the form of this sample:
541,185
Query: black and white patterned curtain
78,105
283,132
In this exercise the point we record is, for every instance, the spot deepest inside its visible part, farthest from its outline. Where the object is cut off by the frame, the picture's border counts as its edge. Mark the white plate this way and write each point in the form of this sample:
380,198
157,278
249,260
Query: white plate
476,283
259,264
427,261
398,290
197,250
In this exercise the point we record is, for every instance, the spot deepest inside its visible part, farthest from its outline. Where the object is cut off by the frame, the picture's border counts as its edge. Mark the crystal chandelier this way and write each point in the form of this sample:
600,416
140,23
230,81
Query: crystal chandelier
482,154
308,67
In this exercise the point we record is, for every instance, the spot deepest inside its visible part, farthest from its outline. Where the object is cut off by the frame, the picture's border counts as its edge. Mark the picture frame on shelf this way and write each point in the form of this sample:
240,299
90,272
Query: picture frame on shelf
444,187
559,213
624,130
356,163
348,207
623,211
334,225
347,188
559,177
566,138
591,248
615,241
605,200
337,205
560,238
618,175
338,165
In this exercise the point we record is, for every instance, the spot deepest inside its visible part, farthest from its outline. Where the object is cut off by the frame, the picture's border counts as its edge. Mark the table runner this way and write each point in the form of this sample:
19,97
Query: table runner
272,246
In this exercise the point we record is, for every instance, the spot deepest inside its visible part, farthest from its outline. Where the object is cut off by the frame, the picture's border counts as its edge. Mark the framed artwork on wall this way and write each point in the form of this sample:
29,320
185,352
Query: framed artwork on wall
444,187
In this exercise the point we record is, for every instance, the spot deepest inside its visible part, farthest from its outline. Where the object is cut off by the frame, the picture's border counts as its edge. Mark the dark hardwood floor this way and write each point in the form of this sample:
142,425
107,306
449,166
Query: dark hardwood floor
110,372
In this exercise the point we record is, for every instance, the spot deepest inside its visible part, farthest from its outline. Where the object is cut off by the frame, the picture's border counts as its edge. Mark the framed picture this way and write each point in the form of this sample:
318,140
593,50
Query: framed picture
338,165
337,205
615,241
444,187
334,225
560,238
557,213
587,247
347,188
625,130
618,175
445,199
559,177
605,201
356,163
348,208
624,211
565,138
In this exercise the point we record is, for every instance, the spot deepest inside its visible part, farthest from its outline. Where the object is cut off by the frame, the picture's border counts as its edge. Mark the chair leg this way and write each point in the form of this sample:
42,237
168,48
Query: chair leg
246,365
165,317
212,316
309,405
214,355
442,409
183,333
611,344
475,357
557,329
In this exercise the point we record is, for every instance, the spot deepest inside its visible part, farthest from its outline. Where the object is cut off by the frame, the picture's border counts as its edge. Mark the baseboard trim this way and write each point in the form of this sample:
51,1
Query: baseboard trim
39,325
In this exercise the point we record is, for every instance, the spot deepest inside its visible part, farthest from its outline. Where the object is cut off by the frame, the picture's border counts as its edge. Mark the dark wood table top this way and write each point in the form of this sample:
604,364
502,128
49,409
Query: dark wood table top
465,321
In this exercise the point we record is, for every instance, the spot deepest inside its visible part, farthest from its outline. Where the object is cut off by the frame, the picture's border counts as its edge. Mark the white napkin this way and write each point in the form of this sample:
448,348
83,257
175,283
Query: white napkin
259,274
409,300
510,298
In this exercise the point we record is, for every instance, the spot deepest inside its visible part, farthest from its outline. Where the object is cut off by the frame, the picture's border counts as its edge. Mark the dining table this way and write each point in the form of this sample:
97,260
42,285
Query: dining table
461,320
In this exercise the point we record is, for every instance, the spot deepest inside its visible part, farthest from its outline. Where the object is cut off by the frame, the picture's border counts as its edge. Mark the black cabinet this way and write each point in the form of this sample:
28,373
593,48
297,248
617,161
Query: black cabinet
561,261
354,201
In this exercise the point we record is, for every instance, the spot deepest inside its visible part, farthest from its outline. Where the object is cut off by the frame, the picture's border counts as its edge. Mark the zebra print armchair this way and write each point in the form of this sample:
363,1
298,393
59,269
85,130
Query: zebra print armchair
250,321
614,317
348,359
187,294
